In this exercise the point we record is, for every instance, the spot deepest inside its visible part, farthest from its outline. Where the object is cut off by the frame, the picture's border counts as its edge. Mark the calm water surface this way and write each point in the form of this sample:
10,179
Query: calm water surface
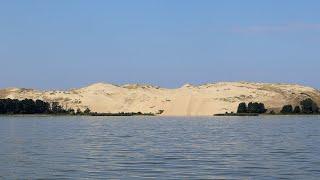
165,148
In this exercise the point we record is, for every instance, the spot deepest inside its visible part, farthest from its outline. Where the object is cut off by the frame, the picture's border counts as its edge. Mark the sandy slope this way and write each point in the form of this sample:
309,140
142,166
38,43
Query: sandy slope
188,100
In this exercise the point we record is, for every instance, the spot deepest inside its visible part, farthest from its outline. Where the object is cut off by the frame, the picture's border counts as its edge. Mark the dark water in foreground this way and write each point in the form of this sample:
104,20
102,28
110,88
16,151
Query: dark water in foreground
165,148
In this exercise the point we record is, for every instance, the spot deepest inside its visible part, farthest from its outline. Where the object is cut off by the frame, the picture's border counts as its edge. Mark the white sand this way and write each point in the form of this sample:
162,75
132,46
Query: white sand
188,100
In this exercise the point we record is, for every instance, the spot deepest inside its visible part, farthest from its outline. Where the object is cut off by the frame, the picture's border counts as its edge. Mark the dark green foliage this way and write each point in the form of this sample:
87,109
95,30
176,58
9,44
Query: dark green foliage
79,112
262,108
57,109
29,106
287,109
256,108
297,110
242,108
308,106
253,108
71,112
42,107
87,111
122,114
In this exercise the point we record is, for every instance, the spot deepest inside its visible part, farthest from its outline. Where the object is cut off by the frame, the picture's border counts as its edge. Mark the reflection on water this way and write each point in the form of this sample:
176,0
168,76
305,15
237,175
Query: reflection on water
162,147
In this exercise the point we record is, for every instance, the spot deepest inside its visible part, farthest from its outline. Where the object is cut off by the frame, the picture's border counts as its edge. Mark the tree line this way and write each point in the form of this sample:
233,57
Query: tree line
307,106
29,106
253,107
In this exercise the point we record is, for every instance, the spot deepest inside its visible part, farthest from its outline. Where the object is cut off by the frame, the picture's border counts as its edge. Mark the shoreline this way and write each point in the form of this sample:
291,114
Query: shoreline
165,116
187,100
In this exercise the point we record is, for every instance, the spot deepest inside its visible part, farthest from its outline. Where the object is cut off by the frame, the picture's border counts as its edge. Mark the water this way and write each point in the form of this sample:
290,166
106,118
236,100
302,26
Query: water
270,147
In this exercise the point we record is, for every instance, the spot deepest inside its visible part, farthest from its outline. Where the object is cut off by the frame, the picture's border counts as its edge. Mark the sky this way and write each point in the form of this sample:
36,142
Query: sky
70,44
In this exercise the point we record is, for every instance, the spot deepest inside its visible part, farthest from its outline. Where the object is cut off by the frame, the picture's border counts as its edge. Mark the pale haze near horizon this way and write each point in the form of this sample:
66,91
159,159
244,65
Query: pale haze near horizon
67,44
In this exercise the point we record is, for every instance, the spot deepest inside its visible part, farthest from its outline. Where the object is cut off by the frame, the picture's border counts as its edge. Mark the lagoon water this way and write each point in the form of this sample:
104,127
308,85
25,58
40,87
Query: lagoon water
266,147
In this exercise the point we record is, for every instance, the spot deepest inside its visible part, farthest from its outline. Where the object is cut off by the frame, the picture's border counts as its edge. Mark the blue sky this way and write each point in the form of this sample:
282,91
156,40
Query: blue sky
65,44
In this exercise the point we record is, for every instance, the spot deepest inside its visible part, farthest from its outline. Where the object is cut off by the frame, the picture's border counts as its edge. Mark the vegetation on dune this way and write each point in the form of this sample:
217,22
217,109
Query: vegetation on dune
308,106
122,114
242,108
287,109
253,107
29,106
297,110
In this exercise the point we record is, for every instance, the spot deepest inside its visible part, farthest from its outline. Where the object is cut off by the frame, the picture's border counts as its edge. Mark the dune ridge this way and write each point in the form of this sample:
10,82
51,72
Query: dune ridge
188,100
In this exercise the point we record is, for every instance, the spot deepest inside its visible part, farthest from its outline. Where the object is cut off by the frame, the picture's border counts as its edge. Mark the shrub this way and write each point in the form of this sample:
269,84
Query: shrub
287,109
297,110
256,108
242,108
308,106
253,107
87,111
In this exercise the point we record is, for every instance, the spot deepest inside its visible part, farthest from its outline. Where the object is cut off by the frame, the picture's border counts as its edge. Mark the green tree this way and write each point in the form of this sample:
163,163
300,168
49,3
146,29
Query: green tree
308,106
28,106
242,108
87,111
287,109
254,107
71,111
2,107
251,107
57,109
79,112
297,110
261,108
41,107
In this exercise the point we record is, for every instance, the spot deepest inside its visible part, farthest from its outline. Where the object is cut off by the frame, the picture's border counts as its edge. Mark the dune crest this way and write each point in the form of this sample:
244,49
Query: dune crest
188,100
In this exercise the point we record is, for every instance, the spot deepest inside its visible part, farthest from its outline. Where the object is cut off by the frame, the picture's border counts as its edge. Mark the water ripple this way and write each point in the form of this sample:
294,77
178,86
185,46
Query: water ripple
159,147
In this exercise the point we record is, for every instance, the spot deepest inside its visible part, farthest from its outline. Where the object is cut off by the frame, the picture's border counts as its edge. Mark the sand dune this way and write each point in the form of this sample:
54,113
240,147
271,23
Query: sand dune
207,99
